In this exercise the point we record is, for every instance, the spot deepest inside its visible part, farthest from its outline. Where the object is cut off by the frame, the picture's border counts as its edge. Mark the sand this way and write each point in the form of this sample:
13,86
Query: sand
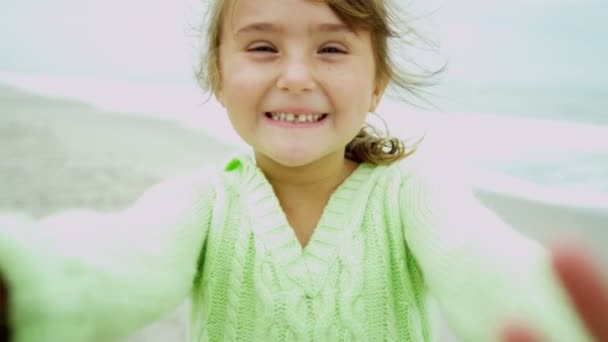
56,155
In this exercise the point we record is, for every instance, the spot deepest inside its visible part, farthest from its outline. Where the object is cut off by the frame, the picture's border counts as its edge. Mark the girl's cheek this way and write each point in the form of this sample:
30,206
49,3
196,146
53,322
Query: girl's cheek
246,78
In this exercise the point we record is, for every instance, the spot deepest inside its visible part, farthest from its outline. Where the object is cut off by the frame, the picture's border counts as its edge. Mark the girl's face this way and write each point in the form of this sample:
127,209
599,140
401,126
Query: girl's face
295,58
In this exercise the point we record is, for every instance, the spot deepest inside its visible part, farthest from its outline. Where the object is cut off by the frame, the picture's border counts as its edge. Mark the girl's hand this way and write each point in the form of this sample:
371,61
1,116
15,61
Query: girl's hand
5,331
581,277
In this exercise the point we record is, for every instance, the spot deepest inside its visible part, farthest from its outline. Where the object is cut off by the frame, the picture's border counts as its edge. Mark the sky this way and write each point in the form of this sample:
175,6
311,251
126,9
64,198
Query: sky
508,42
130,38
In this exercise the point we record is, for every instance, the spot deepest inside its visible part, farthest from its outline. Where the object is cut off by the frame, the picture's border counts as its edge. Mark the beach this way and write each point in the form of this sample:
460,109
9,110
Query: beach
59,154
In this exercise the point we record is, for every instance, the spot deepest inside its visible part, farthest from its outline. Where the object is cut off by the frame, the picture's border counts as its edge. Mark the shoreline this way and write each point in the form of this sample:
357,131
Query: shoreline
57,155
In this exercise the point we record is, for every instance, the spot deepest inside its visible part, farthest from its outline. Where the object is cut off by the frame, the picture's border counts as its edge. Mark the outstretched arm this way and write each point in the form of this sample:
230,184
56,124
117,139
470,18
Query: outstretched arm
481,271
86,276
581,277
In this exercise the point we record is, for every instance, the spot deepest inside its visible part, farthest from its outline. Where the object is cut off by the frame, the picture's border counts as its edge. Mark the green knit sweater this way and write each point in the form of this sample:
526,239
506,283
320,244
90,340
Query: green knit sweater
394,244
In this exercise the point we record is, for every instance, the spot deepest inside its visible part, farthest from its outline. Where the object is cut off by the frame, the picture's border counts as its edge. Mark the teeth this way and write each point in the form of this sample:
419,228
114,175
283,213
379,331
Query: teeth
290,117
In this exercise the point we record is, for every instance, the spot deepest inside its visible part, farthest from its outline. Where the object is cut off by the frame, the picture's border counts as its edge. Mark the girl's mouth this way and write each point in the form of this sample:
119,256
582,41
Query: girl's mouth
296,120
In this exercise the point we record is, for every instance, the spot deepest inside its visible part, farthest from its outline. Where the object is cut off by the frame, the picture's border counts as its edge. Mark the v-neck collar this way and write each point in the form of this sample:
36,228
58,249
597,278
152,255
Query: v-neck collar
307,267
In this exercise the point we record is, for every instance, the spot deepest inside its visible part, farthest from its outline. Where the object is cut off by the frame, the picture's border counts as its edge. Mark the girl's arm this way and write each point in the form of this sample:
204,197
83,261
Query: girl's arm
582,277
86,276
482,273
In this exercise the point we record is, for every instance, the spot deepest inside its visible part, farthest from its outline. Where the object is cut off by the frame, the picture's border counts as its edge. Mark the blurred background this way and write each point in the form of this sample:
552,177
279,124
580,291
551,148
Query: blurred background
98,102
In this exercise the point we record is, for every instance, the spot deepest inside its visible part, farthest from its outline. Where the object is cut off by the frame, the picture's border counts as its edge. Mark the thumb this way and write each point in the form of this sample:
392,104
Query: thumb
517,333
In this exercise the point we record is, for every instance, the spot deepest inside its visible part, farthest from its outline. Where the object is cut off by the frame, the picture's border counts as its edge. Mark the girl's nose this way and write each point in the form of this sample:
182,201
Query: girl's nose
296,77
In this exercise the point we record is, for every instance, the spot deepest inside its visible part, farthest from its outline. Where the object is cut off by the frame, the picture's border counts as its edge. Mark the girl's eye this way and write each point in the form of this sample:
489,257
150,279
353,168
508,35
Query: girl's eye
262,48
332,50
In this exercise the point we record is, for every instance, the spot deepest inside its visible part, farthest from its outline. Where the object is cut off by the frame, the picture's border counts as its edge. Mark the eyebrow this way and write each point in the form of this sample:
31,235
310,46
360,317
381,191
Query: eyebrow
271,28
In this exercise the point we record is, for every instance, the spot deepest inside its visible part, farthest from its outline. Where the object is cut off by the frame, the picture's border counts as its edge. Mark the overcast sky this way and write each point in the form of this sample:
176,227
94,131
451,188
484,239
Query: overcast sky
544,41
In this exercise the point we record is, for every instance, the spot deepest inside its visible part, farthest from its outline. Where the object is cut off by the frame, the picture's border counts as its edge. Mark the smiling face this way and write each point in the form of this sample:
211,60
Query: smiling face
297,83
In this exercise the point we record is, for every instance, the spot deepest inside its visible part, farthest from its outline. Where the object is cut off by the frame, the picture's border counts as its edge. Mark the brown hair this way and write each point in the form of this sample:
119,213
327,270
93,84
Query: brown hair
388,25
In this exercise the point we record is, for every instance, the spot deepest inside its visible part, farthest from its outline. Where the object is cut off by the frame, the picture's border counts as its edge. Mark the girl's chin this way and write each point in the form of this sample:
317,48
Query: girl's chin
293,161
293,158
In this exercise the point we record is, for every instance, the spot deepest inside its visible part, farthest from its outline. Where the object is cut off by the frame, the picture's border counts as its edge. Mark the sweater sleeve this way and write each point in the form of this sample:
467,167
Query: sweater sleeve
84,276
481,272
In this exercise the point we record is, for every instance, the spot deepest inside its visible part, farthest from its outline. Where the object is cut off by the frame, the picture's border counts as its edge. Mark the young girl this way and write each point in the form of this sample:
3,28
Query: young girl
327,232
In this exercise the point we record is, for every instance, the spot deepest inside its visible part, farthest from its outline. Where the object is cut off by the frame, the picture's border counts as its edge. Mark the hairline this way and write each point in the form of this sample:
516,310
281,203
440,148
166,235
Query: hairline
278,28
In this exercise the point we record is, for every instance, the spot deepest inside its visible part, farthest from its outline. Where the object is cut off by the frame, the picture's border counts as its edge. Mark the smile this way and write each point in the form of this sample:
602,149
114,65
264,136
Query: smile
285,119
295,118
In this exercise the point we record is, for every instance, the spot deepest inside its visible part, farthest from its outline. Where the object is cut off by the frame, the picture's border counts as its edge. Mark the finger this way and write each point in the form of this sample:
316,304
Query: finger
516,333
583,281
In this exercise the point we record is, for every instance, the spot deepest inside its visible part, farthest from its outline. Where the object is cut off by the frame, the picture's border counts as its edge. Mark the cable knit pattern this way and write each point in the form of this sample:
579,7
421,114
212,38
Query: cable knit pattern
393,245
